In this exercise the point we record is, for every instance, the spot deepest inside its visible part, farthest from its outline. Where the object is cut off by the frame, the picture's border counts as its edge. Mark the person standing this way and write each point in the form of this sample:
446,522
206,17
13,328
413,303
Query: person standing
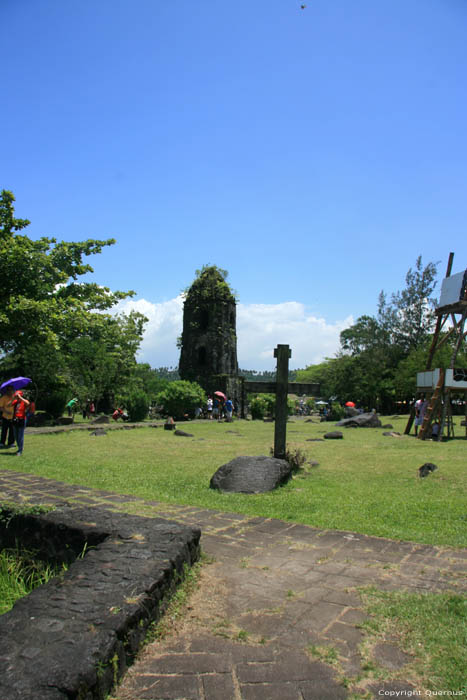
20,407
6,408
209,407
71,407
420,409
229,407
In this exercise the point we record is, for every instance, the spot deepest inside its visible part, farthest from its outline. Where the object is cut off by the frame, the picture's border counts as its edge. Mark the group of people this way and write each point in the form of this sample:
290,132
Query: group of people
218,408
120,413
15,410
88,409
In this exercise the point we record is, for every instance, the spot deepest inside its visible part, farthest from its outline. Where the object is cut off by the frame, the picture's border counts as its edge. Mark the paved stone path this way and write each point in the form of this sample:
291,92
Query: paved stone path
273,591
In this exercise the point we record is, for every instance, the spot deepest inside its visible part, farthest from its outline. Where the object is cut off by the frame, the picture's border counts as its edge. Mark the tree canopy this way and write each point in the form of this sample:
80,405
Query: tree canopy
54,327
380,355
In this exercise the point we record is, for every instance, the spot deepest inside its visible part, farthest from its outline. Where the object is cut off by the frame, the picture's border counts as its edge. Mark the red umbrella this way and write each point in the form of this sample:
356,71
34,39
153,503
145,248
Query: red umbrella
219,393
350,404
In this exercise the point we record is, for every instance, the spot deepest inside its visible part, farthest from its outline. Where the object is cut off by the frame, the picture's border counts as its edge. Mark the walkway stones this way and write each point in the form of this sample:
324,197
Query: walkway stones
262,570
390,656
95,616
251,475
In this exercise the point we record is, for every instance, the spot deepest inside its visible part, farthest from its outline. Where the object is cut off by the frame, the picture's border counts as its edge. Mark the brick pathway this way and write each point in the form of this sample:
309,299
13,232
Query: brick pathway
273,590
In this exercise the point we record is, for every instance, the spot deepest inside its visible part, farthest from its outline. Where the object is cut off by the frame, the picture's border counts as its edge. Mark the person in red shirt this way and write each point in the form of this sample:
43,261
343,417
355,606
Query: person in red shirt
20,407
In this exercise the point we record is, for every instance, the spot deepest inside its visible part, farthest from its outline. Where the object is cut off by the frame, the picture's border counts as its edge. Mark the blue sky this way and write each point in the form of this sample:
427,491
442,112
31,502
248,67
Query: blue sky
313,153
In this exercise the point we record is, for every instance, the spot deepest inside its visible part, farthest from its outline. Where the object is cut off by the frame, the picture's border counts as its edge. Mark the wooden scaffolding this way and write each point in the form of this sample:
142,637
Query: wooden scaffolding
441,384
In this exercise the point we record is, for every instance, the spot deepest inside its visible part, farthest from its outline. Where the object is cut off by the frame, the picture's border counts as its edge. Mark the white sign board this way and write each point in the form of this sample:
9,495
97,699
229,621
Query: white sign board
452,289
427,380
453,379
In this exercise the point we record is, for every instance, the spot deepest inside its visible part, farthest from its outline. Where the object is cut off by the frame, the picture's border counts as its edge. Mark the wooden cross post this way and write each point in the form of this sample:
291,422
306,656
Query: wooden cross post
283,353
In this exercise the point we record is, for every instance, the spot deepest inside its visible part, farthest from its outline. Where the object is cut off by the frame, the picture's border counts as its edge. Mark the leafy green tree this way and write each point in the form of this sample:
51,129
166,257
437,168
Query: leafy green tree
102,361
149,380
377,345
51,324
409,318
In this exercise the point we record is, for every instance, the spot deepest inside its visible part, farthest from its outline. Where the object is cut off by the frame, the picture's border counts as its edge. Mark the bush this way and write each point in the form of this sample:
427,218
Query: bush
258,407
337,412
181,397
137,405
54,402
265,405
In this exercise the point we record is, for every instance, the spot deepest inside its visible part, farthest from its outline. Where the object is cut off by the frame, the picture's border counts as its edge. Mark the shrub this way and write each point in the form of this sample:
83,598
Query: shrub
55,401
258,407
181,397
337,412
137,405
265,405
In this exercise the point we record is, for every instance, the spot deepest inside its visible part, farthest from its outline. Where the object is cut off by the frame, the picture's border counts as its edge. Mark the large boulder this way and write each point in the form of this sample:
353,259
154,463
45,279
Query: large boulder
334,435
363,420
351,411
251,475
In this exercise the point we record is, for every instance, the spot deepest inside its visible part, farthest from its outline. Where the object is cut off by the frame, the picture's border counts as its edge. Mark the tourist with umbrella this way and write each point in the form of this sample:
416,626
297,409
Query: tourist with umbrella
20,407
7,409
218,405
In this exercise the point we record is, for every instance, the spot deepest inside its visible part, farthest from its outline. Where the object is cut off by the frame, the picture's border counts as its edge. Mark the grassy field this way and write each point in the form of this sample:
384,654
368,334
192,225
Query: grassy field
366,483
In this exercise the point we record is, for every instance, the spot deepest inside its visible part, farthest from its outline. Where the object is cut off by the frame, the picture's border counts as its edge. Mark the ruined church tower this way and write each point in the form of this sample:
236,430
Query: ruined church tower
209,339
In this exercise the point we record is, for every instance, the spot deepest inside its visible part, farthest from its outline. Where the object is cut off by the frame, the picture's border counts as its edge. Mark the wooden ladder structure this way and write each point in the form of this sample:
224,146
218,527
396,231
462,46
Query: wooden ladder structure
433,408
440,400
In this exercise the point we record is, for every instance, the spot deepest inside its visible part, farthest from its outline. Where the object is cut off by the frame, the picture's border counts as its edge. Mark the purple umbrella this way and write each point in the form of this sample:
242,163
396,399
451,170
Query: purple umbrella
16,383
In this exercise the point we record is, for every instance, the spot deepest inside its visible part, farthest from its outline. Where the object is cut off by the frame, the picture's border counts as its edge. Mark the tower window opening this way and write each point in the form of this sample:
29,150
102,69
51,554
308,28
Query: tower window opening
201,356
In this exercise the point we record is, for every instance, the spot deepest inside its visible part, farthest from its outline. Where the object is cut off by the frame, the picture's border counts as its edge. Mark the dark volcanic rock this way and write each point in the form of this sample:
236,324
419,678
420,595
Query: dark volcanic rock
426,469
334,435
364,420
351,411
99,431
100,419
182,433
74,636
251,475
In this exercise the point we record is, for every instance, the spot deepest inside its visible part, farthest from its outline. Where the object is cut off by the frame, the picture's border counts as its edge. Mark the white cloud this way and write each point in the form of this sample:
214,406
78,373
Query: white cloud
260,328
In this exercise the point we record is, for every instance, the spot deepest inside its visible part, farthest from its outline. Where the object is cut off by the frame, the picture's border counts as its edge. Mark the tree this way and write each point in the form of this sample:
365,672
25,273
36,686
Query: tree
375,346
52,326
409,318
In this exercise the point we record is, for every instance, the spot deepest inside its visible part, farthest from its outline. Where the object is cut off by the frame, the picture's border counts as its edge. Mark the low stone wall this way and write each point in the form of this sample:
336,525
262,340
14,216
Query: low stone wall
74,637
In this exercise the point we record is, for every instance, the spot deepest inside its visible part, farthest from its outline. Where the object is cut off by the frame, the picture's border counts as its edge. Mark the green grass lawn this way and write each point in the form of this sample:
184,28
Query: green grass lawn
366,482
431,629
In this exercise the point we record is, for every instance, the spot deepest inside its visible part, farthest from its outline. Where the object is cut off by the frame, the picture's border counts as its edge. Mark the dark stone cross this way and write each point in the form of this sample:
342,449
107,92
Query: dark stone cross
281,387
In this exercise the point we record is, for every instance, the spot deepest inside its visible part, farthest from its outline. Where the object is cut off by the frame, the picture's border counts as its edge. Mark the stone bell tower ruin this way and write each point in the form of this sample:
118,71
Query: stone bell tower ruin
209,338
